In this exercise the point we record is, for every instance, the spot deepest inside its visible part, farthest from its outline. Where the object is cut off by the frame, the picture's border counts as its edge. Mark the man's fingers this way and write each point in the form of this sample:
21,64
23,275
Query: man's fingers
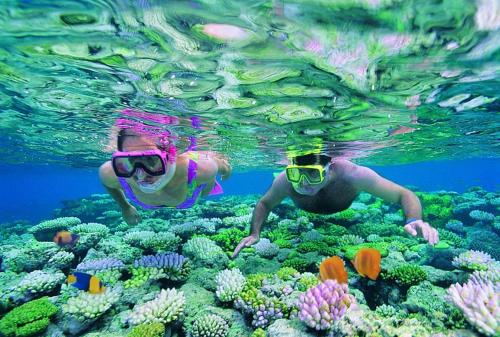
410,230
237,251
425,232
435,236
243,243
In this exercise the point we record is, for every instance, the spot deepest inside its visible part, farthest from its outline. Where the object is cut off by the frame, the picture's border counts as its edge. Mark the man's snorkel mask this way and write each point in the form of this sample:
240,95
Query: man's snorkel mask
307,171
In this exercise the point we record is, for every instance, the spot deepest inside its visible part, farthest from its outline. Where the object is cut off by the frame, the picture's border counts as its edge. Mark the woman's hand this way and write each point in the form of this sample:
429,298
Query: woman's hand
246,242
131,216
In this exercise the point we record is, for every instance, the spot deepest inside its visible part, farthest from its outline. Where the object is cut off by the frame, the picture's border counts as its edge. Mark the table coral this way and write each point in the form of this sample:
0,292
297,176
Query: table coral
46,230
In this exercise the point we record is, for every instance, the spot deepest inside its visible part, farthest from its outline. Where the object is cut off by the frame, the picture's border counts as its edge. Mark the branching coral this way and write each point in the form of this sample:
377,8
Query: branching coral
229,284
473,260
90,228
209,325
480,303
406,275
167,307
39,282
324,304
265,248
87,306
205,252
101,264
30,319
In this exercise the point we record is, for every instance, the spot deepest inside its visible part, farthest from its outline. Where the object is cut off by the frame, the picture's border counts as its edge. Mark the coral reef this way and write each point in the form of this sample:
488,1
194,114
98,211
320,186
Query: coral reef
271,289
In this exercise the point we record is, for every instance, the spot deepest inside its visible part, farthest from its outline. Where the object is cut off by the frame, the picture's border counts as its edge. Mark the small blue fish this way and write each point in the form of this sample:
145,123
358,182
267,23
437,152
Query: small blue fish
1,261
86,282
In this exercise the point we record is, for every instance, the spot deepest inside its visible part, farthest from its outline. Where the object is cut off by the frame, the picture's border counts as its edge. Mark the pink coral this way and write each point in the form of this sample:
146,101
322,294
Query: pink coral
324,304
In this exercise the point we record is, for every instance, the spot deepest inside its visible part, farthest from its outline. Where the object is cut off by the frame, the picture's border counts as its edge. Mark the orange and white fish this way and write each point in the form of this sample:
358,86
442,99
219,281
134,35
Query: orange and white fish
65,238
367,262
333,269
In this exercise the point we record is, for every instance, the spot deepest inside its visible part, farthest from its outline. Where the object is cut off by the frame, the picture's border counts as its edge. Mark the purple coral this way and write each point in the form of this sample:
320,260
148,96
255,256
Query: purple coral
324,304
266,313
479,302
171,261
100,264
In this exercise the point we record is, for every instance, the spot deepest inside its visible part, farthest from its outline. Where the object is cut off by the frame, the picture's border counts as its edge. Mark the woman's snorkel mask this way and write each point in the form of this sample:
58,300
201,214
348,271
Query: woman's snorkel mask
158,162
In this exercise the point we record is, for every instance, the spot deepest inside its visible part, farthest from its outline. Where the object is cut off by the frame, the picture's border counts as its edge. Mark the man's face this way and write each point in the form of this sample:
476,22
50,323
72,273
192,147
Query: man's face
306,176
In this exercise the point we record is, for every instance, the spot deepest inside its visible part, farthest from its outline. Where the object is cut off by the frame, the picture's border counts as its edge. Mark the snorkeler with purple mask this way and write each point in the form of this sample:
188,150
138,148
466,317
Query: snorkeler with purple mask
148,170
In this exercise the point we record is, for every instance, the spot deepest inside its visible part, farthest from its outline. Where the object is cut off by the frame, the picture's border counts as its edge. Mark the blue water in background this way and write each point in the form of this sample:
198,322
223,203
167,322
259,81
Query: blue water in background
32,192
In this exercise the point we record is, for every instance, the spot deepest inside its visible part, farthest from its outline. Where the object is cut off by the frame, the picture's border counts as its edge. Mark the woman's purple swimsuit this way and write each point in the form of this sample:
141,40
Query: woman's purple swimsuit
189,202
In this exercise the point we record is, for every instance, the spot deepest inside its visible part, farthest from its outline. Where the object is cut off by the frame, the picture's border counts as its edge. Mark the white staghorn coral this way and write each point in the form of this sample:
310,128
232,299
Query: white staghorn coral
167,307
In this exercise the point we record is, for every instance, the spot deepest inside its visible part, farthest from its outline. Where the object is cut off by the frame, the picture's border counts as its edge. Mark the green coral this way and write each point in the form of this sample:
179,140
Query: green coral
46,230
287,273
278,234
317,246
228,239
29,319
283,243
382,229
436,208
306,281
406,275
298,263
148,330
347,215
255,280
259,332
332,230
451,238
141,275
350,251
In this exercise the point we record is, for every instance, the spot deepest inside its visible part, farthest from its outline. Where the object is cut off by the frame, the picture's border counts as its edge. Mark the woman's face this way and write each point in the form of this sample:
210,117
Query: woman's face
140,143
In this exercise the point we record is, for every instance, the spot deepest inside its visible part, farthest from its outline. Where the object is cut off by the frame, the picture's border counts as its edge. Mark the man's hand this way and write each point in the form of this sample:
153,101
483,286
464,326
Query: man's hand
245,242
131,216
420,227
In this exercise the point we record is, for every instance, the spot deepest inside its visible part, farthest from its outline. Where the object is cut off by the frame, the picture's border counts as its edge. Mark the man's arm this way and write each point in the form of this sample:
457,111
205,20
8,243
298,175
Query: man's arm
367,180
273,197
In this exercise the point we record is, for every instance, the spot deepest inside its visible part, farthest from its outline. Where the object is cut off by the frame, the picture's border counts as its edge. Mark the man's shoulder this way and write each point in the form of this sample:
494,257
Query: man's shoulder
344,166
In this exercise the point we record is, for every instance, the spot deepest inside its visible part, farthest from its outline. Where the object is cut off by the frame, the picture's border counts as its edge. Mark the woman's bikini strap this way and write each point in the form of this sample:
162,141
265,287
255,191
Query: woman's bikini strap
130,194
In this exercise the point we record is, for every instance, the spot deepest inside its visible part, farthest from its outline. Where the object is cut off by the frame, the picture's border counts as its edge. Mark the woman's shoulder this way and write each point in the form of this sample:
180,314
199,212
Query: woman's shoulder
108,176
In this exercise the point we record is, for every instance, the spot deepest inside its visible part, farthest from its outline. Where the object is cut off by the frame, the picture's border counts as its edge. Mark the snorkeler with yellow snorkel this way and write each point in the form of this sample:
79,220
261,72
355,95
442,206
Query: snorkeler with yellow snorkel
318,183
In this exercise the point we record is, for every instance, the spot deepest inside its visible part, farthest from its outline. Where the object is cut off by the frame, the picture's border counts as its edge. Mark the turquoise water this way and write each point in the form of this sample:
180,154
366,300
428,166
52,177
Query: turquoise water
407,88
